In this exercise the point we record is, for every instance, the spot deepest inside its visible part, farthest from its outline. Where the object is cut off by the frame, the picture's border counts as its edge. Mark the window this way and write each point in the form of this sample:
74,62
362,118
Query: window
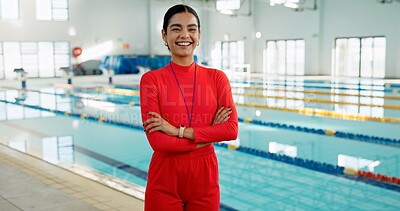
360,57
47,66
284,57
9,9
61,56
39,59
29,58
1,61
228,55
12,58
52,10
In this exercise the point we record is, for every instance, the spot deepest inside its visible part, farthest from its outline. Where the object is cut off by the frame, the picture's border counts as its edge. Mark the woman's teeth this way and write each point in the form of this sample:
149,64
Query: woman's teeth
183,43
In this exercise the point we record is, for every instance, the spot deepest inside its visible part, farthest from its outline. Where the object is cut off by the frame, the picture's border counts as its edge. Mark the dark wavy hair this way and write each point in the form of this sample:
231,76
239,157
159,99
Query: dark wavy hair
178,9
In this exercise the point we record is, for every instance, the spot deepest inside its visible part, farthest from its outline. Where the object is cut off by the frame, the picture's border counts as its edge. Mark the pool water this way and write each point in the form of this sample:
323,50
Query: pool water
248,181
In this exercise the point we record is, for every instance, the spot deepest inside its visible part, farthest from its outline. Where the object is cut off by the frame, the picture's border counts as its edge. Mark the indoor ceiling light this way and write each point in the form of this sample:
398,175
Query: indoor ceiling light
297,5
291,5
283,2
227,7
227,12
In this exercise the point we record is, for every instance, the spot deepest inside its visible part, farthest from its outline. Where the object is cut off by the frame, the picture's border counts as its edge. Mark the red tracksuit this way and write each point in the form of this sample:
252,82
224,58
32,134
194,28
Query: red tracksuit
180,176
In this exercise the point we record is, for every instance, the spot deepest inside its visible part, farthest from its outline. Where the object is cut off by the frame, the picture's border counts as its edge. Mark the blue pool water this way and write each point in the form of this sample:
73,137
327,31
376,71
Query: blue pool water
248,182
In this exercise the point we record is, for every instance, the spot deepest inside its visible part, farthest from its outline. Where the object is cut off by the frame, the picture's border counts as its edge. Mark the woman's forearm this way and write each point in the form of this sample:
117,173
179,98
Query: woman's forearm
188,133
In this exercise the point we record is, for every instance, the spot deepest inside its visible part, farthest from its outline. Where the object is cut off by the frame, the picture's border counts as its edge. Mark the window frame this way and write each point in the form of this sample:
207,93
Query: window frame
18,10
335,63
2,66
55,53
299,67
221,57
52,11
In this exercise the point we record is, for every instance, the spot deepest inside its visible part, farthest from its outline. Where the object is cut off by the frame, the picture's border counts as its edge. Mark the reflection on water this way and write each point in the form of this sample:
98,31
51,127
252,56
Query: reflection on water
357,163
366,97
19,145
283,149
58,150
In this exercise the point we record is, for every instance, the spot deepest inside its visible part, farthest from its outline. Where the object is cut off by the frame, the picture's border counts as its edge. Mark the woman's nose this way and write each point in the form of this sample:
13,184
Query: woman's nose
184,33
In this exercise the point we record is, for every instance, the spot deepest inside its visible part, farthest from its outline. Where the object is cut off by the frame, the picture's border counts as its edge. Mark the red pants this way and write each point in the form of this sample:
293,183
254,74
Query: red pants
183,181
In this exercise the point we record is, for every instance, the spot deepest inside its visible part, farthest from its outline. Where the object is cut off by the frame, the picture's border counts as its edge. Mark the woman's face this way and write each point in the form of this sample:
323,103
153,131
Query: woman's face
182,34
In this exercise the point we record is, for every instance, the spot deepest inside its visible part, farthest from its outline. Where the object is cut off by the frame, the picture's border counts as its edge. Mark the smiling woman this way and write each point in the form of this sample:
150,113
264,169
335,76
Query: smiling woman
181,34
185,108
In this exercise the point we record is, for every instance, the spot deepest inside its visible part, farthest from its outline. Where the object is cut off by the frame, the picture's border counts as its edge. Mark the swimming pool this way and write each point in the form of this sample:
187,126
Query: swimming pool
249,180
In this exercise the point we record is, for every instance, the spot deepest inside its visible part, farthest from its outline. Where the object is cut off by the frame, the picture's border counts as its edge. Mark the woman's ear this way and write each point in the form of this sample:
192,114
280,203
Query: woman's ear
164,35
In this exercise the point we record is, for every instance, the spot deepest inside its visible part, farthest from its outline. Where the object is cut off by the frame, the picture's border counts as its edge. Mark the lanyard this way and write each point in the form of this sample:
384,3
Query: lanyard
183,96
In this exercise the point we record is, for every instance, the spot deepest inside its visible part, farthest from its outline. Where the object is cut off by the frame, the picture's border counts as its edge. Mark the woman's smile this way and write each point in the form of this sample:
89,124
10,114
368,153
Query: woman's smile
183,43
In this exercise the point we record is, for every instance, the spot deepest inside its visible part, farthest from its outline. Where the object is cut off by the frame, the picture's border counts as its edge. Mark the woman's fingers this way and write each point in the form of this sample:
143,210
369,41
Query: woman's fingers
219,110
154,114
222,114
156,117
226,118
155,129
148,121
152,125
157,123
226,111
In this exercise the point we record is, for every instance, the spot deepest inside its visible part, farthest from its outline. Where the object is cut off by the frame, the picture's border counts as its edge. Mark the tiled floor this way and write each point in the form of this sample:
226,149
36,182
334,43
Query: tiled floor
28,183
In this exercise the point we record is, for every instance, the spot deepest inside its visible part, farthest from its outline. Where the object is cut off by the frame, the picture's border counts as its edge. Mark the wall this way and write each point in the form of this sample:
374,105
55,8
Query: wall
333,18
237,27
95,21
139,22
344,18
282,23
122,21
29,29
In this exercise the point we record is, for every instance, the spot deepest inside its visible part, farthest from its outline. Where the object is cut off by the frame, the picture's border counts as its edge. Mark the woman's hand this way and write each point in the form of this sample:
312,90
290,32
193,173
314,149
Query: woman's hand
222,115
157,123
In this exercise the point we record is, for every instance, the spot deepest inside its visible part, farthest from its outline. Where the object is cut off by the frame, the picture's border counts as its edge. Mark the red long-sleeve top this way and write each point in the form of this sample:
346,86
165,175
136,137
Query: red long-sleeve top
160,93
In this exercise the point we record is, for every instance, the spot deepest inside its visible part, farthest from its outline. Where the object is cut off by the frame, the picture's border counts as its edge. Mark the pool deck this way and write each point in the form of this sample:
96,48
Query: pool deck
28,183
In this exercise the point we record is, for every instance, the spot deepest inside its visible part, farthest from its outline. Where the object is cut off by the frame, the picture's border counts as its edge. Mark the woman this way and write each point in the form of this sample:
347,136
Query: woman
185,107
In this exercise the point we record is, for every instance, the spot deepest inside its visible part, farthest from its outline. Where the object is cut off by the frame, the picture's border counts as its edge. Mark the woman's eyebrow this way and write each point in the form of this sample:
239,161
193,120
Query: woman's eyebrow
179,25
175,25
192,25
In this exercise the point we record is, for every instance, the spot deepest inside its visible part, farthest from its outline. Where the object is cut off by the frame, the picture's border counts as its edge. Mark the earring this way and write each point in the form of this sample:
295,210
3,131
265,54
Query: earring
166,44
198,43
